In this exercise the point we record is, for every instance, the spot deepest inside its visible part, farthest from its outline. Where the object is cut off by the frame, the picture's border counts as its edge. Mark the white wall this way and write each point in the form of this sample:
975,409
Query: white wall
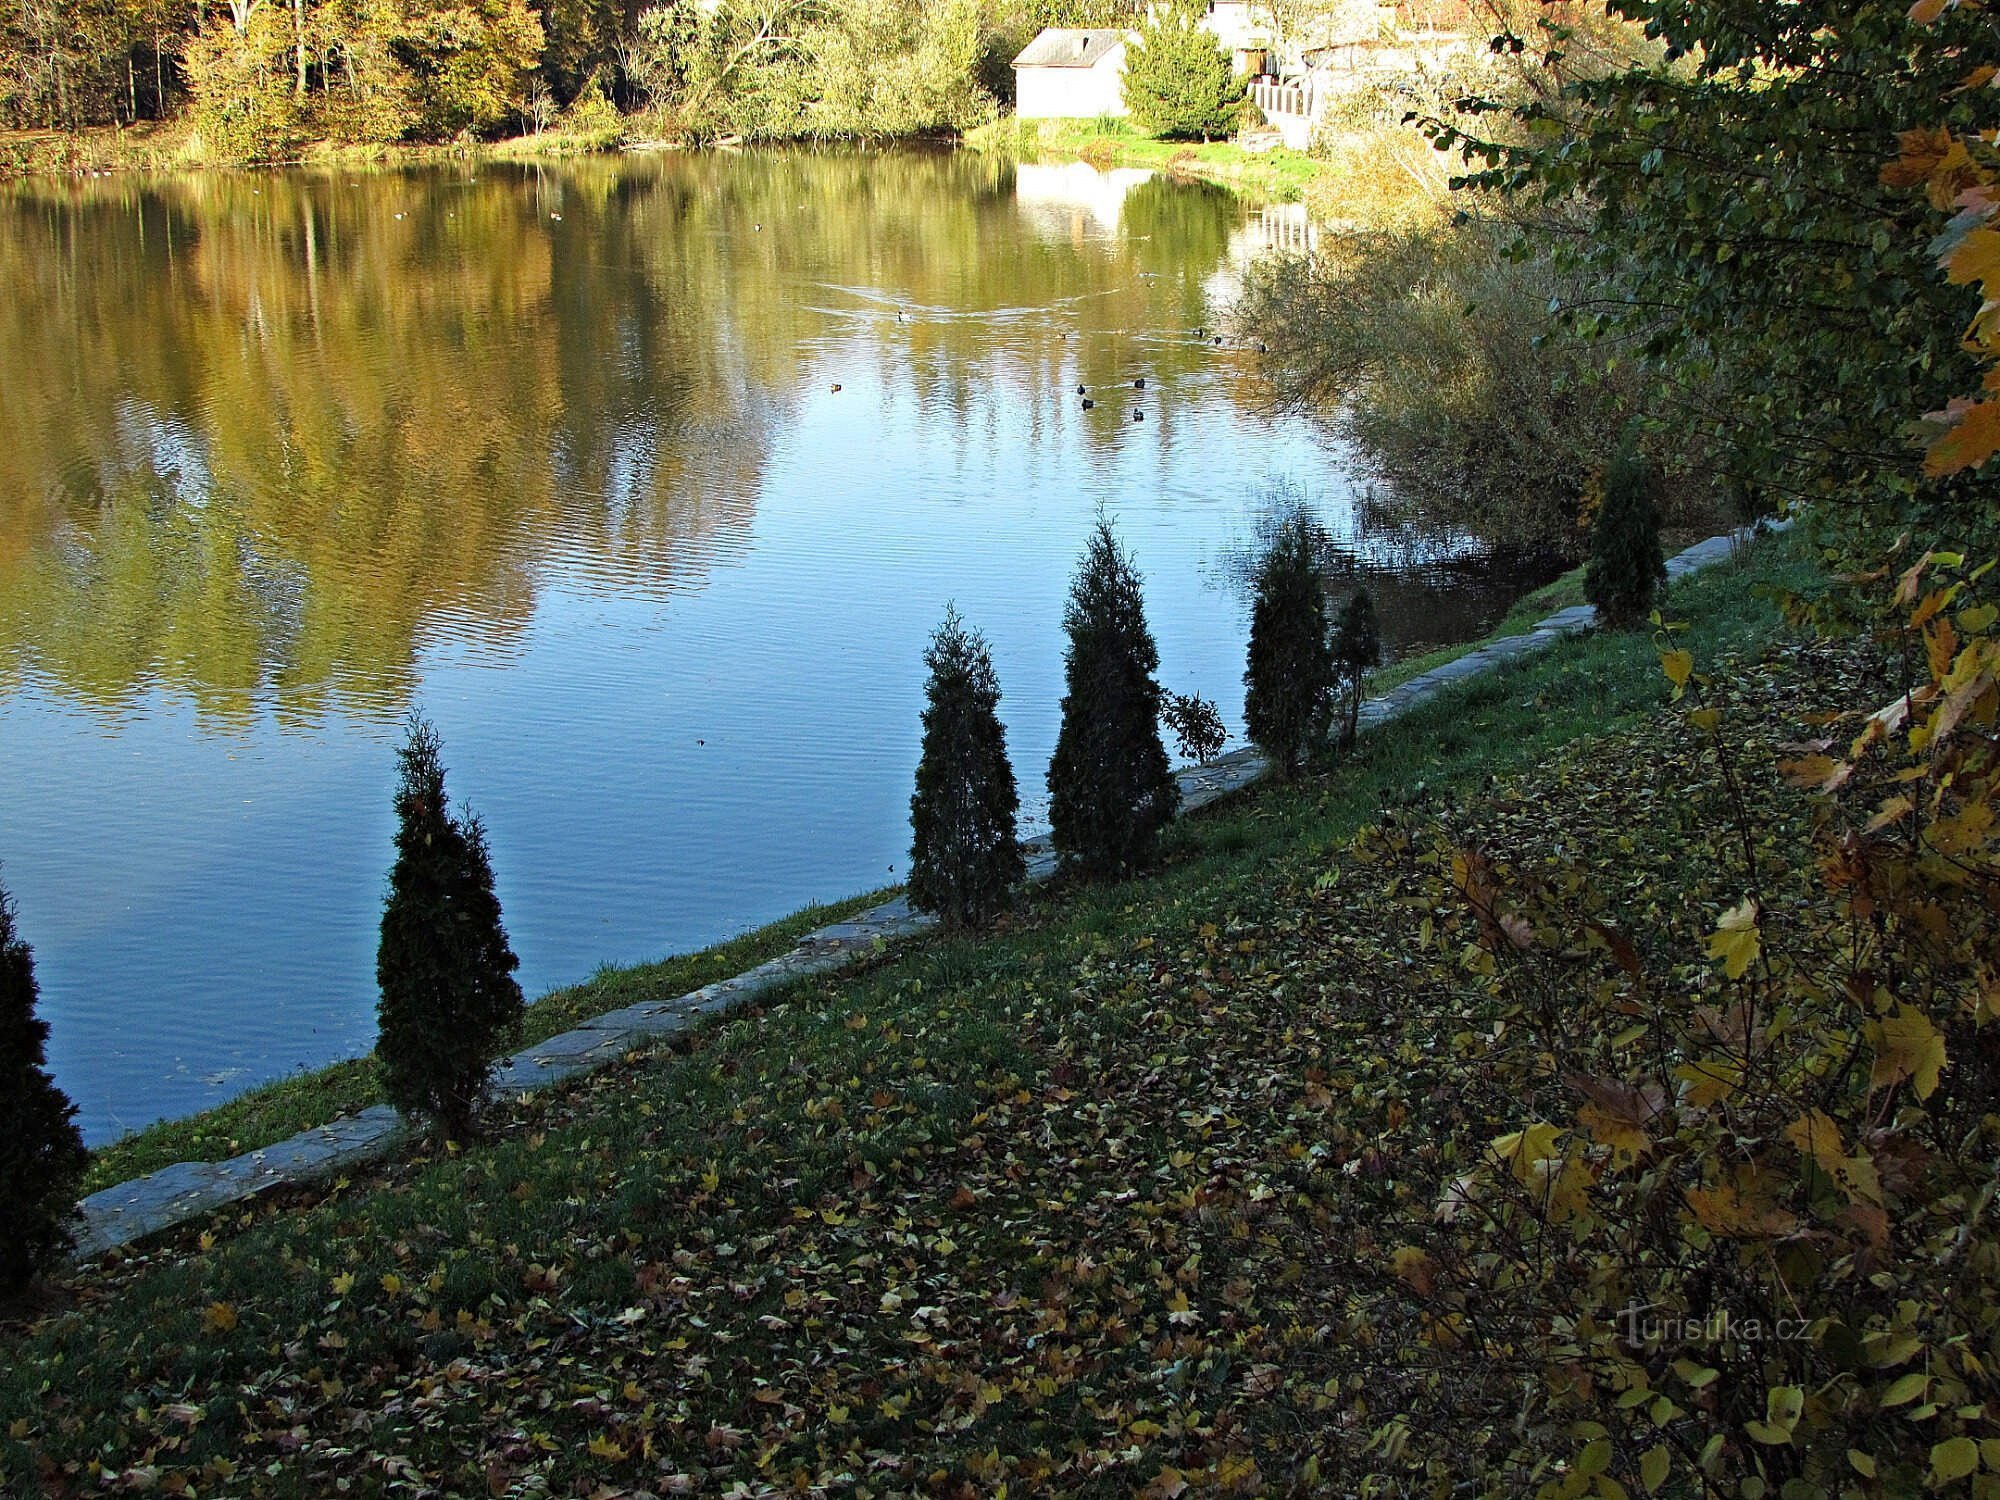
1072,93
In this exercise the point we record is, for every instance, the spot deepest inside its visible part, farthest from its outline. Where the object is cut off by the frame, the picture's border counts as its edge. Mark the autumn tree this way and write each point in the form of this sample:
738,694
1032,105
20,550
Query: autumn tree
1288,705
1111,789
965,858
1178,81
1627,567
446,972
1722,212
41,1152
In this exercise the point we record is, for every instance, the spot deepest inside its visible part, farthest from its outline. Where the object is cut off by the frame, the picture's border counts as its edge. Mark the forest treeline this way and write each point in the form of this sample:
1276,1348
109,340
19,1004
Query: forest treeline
258,78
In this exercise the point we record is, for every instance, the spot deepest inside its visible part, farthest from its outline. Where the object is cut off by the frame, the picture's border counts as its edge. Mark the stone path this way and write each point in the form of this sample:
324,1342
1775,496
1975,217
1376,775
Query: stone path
185,1191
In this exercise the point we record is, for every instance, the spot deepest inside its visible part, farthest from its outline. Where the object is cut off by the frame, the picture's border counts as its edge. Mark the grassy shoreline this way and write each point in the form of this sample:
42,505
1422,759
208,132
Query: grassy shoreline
276,1110
300,1101
1278,175
174,146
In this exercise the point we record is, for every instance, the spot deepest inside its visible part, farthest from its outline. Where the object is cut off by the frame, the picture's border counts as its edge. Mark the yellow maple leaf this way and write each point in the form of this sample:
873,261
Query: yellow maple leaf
607,1449
219,1317
1736,940
1817,1137
1975,258
1523,1150
1908,1046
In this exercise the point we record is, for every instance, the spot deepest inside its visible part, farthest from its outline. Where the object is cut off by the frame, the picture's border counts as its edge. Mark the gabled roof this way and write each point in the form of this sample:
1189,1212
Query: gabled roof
1070,47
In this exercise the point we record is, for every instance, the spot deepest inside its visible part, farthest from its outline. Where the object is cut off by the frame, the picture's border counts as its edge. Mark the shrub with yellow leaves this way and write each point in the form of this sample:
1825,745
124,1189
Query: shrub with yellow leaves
1759,1258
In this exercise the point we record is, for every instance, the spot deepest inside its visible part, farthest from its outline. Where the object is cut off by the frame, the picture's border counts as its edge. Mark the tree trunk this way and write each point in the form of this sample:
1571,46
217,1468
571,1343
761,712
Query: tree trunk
299,36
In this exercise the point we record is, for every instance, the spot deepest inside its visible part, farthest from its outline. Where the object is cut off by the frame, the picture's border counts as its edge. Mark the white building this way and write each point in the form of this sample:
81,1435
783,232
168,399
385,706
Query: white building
1071,73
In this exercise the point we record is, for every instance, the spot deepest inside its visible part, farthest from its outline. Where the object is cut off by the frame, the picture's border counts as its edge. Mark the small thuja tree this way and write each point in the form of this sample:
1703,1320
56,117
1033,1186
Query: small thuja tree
1110,787
446,972
1288,705
1357,651
1178,80
41,1153
1627,567
965,858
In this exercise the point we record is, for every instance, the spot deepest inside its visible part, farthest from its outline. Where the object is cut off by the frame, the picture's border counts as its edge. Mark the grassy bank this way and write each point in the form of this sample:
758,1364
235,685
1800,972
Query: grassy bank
306,1099
174,145
1083,1206
1277,175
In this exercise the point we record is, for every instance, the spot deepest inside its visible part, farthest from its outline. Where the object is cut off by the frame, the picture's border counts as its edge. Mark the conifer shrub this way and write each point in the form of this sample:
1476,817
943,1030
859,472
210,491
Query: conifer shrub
1627,567
446,972
1179,83
1110,787
965,857
41,1152
1290,680
1357,651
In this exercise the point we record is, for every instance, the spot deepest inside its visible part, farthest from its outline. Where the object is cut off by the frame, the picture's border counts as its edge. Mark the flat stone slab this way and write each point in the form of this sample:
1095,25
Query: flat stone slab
185,1191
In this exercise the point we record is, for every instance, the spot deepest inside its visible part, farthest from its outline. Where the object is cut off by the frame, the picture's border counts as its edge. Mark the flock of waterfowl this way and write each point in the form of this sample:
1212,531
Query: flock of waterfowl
1139,384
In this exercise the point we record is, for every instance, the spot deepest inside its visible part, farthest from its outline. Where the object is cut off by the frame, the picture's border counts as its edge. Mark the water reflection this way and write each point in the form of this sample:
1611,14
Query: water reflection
646,478
265,427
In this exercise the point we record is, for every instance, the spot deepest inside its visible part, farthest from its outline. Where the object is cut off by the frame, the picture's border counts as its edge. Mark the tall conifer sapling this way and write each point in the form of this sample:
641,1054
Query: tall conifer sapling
1627,566
1357,651
1111,788
41,1152
446,972
1289,682
965,857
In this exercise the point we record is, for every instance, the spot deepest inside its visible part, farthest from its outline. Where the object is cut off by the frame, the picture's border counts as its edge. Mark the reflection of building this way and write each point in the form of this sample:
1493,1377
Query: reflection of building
1276,229
1068,199
1070,73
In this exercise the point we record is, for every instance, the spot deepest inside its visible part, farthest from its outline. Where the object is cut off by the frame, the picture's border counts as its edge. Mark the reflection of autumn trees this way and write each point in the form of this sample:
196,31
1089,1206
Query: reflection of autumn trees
264,430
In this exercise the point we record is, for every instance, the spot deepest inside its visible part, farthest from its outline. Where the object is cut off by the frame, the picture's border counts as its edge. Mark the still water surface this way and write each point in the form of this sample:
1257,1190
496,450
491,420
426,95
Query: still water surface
646,479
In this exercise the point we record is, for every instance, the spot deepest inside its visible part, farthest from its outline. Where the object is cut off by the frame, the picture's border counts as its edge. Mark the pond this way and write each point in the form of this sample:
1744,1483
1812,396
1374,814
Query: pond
645,479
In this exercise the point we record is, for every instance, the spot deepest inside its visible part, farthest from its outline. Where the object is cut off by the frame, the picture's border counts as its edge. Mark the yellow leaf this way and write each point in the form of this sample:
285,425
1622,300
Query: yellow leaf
1954,1458
1709,1081
1735,940
1525,1148
391,1283
1974,258
605,1448
1816,1137
343,1283
1905,1389
1679,666
1908,1046
219,1317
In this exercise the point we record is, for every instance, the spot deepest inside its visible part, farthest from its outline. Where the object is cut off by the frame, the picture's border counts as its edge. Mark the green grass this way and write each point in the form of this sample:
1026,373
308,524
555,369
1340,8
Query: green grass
283,1108
801,1239
1278,175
